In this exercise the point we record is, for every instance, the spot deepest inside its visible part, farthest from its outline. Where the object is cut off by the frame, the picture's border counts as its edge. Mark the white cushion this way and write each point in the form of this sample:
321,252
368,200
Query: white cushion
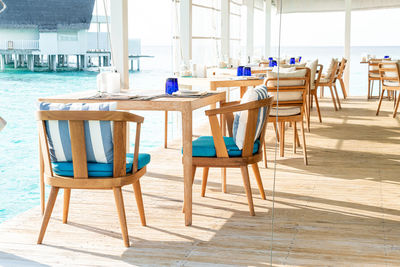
284,65
285,111
324,80
374,75
292,74
312,65
240,121
284,69
391,83
330,68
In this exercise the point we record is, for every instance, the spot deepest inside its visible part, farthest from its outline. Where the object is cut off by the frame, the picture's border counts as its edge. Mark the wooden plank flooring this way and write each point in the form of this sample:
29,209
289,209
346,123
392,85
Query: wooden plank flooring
341,210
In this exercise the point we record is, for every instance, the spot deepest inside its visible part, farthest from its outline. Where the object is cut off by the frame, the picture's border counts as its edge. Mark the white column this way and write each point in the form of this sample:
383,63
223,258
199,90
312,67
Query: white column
225,28
185,27
119,39
250,29
267,45
347,43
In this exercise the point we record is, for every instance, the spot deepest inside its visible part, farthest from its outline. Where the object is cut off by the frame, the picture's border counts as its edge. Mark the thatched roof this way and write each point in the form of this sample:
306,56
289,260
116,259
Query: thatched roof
47,15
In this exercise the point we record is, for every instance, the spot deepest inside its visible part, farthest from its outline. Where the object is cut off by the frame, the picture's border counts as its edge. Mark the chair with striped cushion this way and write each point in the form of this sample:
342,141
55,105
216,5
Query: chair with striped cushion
243,145
83,146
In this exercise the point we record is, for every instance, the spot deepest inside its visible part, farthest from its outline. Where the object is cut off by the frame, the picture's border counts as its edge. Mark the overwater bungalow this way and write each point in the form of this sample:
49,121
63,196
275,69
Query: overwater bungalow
223,153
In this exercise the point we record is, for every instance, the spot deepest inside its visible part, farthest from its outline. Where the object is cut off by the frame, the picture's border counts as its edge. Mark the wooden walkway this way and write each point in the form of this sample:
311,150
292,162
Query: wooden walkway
342,209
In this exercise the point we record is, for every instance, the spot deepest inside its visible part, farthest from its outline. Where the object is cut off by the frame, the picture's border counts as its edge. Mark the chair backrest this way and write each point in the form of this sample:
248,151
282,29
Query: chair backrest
373,68
76,124
332,70
253,110
389,73
341,68
292,90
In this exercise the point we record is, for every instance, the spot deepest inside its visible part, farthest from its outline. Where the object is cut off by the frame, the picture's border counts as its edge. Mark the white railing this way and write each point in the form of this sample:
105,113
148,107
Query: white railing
19,44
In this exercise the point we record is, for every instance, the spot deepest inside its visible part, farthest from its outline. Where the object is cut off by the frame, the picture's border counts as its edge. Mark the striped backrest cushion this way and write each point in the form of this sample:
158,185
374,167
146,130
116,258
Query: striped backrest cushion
240,121
98,134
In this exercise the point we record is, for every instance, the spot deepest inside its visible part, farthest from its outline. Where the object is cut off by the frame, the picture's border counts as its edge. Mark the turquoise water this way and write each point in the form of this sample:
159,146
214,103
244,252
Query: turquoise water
20,89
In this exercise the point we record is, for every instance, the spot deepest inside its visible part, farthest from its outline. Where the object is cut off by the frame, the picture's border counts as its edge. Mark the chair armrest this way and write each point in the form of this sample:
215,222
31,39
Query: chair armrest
227,104
320,67
239,107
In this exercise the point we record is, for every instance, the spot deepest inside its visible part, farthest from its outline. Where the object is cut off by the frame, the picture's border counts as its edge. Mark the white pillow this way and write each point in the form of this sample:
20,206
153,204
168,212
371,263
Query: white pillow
330,68
283,69
286,96
312,64
240,122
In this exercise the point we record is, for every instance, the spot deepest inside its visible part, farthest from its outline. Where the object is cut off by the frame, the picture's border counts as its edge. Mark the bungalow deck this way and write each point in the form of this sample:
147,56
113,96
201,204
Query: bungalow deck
342,209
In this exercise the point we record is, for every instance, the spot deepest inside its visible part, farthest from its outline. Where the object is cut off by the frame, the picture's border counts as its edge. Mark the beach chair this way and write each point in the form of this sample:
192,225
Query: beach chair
390,80
289,104
242,147
84,149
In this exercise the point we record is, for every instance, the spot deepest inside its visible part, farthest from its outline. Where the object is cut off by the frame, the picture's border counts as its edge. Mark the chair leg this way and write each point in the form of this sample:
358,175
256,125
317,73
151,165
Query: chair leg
344,91
321,92
139,202
47,214
119,202
204,183
297,138
194,167
67,197
223,180
282,139
294,137
258,179
380,102
397,106
304,143
247,188
276,131
265,155
369,89
41,182
337,96
318,110
333,98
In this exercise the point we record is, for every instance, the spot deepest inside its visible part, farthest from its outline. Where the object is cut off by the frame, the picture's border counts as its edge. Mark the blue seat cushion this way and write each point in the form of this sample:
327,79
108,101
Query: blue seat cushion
100,169
204,147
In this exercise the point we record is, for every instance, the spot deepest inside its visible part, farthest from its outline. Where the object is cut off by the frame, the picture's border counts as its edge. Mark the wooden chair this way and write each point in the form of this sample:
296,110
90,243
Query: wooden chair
328,81
342,68
373,75
390,80
313,91
81,171
289,106
224,152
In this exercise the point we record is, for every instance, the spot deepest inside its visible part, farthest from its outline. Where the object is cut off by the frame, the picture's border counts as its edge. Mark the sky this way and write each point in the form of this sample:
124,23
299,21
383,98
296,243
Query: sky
152,22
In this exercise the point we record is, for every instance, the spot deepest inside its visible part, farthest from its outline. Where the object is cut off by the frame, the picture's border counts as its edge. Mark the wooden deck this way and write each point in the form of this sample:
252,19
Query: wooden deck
342,209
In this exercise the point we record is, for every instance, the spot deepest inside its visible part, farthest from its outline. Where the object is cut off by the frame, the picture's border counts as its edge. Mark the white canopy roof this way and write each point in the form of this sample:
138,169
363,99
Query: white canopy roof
298,6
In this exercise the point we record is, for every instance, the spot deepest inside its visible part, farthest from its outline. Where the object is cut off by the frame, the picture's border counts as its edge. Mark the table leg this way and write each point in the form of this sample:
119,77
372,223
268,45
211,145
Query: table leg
41,181
187,162
166,130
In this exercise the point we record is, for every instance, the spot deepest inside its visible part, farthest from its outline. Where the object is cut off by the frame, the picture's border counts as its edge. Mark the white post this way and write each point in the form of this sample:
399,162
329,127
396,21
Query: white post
185,27
250,30
267,45
119,39
225,29
347,43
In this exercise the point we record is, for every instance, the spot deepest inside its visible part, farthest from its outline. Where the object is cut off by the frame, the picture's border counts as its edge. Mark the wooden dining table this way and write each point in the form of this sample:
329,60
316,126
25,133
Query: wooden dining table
184,104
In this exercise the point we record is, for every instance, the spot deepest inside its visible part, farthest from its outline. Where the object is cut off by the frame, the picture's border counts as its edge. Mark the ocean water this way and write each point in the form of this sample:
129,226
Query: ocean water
19,90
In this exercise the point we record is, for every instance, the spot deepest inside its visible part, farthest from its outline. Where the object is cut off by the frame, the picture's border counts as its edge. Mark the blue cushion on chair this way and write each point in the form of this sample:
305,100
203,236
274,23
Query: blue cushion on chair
100,169
204,147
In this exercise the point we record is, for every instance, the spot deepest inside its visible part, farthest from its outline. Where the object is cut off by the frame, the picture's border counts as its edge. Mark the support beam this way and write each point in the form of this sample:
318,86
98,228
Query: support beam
267,45
249,30
185,27
225,29
347,43
119,39
2,62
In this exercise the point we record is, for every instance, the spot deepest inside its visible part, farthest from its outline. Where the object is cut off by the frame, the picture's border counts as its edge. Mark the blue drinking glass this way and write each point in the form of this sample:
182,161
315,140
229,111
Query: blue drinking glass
247,71
270,58
386,57
292,61
271,63
299,59
274,63
175,85
240,71
169,86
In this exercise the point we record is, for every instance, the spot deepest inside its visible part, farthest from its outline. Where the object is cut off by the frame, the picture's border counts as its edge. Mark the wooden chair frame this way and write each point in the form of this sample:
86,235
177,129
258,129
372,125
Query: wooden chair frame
373,75
342,68
331,84
293,119
383,69
80,180
222,160
313,92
